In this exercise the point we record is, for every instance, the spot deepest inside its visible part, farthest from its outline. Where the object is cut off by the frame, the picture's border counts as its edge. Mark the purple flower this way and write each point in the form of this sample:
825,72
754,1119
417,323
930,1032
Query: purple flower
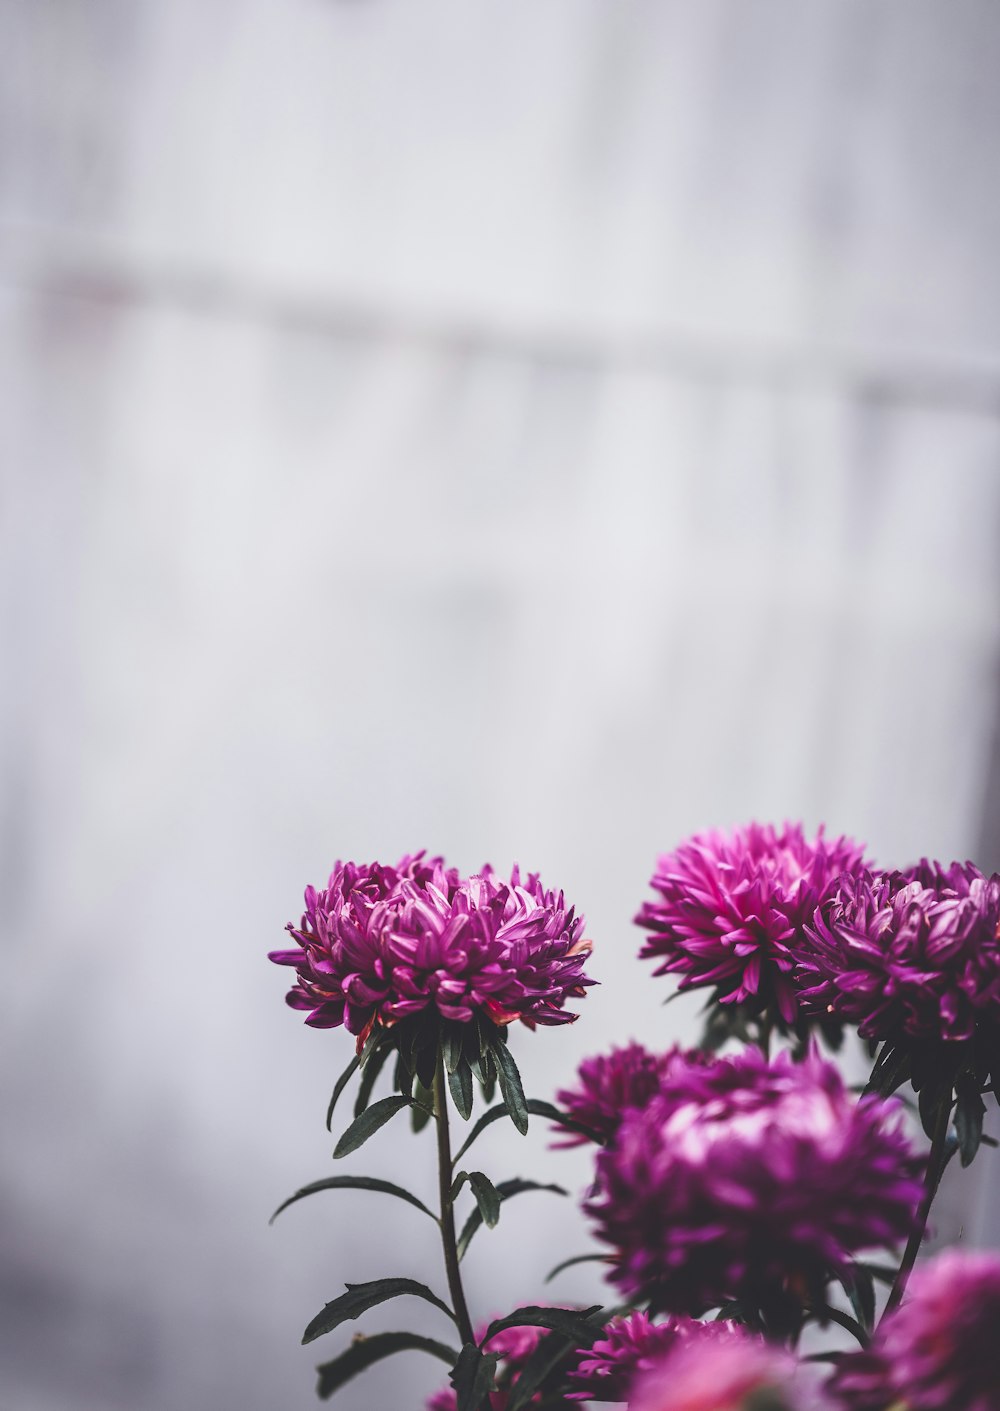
907,953
738,1373
380,944
611,1084
633,1345
731,909
939,1351
752,1180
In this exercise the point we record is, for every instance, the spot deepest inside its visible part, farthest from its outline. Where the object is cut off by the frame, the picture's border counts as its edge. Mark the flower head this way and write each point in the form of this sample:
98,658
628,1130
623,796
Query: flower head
754,1180
634,1344
939,1350
611,1084
731,909
912,953
740,1373
379,944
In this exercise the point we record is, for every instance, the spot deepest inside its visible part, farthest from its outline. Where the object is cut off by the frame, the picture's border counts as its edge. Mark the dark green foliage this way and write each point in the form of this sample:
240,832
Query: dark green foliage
510,1085
373,1066
363,1183
969,1112
487,1197
342,1082
365,1351
368,1123
576,1259
859,1285
569,1322
504,1190
360,1297
474,1377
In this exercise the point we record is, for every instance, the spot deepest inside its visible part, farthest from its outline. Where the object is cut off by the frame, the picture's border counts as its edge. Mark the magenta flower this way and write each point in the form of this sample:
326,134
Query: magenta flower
611,1084
939,1350
907,954
632,1345
380,944
740,1372
751,1180
732,907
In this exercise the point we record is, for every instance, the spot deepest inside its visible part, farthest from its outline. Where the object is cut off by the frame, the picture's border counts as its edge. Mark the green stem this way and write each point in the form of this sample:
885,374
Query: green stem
932,1179
447,1204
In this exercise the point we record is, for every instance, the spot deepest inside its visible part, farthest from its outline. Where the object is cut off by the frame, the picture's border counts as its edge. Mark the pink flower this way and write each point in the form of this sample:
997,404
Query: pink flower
732,907
380,944
738,1373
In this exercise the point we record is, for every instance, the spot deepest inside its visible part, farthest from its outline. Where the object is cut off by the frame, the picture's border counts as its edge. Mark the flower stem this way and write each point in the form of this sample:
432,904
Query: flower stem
447,1205
932,1179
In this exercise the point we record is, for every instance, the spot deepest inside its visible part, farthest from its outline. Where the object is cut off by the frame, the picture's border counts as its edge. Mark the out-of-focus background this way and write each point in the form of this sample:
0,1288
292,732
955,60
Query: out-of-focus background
526,431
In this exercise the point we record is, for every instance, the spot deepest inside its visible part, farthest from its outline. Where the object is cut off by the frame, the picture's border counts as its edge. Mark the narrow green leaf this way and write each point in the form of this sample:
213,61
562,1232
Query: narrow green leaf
423,1109
451,1047
458,1183
570,1322
552,1350
362,1183
505,1190
930,1097
510,1086
368,1123
365,1351
537,1108
473,1377
859,1285
577,1259
487,1197
460,1084
342,1082
969,1112
370,1071
360,1297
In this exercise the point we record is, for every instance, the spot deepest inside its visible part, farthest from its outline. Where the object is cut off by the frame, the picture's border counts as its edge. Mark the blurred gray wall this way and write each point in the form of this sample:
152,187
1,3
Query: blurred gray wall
527,431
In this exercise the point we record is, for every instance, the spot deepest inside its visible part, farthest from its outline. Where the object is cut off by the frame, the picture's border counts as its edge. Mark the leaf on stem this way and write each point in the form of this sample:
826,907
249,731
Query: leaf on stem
570,1322
510,1085
473,1377
969,1112
505,1190
460,1084
487,1197
537,1108
576,1259
371,1068
859,1285
365,1351
364,1183
553,1349
368,1123
342,1082
360,1297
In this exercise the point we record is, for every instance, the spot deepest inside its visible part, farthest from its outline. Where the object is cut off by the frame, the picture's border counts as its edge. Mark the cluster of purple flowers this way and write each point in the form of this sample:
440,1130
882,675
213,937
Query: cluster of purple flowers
744,1179
379,944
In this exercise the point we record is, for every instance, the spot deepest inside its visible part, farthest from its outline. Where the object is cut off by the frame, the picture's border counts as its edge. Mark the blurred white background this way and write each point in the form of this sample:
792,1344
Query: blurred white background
529,431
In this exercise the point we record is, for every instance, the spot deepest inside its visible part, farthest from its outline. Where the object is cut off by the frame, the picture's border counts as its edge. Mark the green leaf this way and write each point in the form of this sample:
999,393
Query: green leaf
360,1297
570,1322
537,1108
460,1084
451,1046
363,1183
487,1197
423,1109
969,1112
859,1285
505,1190
368,1123
553,1349
371,1068
365,1351
473,1377
930,1098
577,1259
458,1183
510,1086
342,1082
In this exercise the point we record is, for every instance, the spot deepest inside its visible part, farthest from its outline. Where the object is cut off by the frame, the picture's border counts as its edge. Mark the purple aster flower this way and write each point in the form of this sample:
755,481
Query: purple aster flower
751,1180
611,1084
380,944
907,953
633,1345
731,909
939,1350
740,1373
